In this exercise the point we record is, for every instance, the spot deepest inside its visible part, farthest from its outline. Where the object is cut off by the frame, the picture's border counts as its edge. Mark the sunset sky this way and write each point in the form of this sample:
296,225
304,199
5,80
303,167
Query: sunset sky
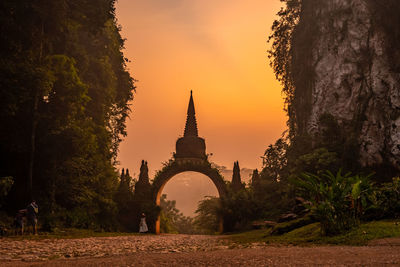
217,48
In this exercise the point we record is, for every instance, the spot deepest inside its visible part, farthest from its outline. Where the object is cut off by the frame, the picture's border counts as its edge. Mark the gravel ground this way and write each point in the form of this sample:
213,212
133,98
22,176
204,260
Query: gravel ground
187,250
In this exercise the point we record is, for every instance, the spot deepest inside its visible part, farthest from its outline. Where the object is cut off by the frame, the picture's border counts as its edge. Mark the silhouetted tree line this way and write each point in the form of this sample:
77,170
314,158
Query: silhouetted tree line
64,94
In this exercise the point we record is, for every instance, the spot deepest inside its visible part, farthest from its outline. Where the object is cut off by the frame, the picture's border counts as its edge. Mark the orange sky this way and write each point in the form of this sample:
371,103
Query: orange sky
217,48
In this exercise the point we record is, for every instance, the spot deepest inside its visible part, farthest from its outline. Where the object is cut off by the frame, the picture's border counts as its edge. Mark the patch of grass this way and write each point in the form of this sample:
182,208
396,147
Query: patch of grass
310,235
250,236
367,232
286,227
68,233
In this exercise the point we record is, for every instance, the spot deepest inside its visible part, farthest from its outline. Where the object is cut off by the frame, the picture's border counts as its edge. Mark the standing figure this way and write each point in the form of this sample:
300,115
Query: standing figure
19,222
143,226
32,212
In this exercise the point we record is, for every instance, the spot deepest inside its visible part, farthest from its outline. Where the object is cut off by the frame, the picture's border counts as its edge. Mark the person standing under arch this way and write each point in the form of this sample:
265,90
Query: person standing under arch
143,225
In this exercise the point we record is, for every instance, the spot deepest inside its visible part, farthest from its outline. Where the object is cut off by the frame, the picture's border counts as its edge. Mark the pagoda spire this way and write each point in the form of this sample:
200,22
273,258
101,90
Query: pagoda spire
190,145
191,124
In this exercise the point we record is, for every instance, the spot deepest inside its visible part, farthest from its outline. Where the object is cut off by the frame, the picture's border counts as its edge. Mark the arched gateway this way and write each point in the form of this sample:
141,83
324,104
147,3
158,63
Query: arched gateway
182,165
190,156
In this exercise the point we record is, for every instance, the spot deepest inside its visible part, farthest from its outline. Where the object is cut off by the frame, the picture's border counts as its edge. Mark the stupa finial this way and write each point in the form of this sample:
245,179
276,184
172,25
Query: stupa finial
191,124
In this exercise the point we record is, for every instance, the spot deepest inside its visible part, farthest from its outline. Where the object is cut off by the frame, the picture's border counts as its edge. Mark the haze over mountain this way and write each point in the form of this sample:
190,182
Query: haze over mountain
189,188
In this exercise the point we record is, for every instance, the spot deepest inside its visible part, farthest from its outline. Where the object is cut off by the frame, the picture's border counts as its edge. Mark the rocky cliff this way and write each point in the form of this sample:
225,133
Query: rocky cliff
346,64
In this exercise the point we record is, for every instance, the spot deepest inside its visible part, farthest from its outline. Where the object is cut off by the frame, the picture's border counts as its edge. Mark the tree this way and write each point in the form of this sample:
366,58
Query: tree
275,160
124,199
65,95
208,215
172,220
281,55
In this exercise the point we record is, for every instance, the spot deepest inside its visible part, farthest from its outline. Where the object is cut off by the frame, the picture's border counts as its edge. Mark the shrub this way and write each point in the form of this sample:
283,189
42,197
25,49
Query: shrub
5,186
208,215
385,201
238,209
338,201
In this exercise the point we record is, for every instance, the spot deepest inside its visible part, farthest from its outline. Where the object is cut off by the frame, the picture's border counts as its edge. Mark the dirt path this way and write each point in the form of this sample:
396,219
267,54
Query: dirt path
186,250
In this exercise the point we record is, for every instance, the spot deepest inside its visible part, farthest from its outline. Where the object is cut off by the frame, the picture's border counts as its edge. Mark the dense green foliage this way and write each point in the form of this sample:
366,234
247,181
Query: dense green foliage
207,220
271,199
281,53
127,216
64,100
238,210
172,220
338,201
385,201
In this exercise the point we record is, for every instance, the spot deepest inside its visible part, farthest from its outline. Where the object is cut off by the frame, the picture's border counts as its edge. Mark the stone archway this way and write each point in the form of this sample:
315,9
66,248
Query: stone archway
177,166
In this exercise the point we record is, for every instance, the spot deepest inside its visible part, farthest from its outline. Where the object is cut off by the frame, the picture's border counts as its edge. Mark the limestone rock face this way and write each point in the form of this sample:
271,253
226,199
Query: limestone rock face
353,77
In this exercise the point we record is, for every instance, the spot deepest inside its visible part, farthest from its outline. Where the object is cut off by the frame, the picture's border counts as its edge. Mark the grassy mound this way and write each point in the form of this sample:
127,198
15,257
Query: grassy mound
286,227
310,234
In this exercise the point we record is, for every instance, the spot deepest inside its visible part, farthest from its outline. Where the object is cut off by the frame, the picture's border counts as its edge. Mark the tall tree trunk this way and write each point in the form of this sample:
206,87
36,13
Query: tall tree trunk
34,120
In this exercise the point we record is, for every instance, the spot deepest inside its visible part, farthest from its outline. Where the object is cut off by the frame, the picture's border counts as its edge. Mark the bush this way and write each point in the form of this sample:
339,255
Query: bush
385,201
172,220
338,201
238,210
272,198
5,186
316,161
6,224
208,215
